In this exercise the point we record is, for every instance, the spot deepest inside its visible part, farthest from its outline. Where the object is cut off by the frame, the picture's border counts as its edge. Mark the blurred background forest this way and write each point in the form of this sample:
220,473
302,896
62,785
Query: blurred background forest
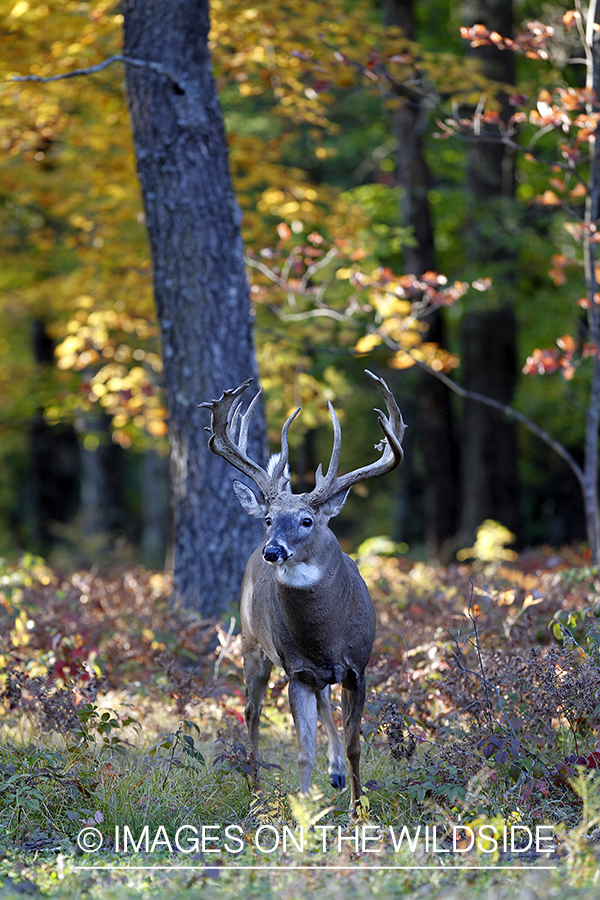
367,182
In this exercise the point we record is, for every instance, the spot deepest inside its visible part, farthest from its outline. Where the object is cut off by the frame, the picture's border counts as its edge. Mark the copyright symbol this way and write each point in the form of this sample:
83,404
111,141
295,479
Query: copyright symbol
89,840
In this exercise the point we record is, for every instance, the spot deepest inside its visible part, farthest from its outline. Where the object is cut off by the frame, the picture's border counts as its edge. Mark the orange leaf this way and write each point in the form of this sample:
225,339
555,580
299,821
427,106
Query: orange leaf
579,190
570,18
549,198
567,343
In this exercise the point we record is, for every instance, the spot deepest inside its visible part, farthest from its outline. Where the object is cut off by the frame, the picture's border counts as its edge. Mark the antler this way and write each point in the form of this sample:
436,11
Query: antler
225,417
393,454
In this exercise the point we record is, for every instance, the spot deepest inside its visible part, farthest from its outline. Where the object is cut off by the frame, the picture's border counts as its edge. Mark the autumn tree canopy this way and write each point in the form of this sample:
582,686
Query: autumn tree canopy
309,95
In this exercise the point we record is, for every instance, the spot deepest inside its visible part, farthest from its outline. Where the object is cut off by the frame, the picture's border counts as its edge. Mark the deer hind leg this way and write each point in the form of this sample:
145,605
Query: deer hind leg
303,703
353,701
257,669
336,764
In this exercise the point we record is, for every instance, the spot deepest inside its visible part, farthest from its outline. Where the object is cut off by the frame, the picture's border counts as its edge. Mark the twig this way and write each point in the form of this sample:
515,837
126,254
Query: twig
403,639
323,311
508,411
479,675
224,648
473,617
91,70
495,404
314,314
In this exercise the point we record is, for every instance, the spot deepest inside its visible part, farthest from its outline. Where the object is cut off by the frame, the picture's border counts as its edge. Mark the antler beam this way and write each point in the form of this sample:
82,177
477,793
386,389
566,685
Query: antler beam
226,417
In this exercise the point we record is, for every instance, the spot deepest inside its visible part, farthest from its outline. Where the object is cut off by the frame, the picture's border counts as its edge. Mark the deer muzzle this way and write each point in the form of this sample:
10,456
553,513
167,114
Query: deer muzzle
275,552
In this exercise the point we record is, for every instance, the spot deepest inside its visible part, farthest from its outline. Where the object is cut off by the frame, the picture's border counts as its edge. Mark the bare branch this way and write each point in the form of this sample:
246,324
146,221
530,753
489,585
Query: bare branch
257,264
458,655
319,264
91,70
473,617
313,314
508,411
225,644
403,639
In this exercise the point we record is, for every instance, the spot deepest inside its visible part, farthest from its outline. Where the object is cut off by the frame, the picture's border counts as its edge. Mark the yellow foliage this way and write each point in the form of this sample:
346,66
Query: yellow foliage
367,343
402,360
489,545
70,176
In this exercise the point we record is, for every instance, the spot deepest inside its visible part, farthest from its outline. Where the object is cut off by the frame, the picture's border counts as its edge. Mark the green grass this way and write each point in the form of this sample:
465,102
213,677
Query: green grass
158,784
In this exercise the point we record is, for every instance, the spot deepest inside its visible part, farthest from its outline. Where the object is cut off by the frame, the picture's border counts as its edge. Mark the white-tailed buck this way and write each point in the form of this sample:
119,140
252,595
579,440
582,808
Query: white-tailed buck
304,604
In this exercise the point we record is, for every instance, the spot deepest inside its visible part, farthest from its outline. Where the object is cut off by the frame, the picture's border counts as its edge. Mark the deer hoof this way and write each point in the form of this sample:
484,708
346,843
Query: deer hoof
337,781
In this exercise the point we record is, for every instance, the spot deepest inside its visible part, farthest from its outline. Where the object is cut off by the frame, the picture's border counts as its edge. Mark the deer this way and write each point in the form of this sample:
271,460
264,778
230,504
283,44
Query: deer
304,605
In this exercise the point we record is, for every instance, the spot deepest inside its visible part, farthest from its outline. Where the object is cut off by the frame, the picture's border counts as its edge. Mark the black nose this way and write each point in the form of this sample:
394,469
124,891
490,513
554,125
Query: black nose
274,552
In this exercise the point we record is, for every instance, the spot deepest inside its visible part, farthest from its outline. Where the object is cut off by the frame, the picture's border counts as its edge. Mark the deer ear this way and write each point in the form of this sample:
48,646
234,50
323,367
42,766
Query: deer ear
334,504
249,501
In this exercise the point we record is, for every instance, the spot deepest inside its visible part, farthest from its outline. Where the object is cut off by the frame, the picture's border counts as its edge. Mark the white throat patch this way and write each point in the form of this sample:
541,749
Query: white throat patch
300,575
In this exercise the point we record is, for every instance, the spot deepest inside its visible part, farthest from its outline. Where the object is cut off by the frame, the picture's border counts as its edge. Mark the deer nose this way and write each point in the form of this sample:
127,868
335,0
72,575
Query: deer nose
275,553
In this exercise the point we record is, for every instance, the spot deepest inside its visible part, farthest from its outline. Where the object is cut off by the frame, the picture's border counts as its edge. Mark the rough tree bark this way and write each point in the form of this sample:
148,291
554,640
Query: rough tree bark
434,412
200,285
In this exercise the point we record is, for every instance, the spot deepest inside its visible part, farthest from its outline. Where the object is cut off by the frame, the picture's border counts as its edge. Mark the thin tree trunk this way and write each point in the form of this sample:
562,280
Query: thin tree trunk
592,213
491,163
53,477
101,493
434,412
489,363
154,508
199,283
488,445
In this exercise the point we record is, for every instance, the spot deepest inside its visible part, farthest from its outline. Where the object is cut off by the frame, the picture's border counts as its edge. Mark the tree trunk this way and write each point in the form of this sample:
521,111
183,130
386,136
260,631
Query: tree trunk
489,448
53,478
491,164
433,412
200,285
489,472
101,486
409,123
154,509
592,214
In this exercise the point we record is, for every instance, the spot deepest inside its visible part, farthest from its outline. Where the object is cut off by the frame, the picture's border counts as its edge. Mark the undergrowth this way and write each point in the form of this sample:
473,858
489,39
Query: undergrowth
121,712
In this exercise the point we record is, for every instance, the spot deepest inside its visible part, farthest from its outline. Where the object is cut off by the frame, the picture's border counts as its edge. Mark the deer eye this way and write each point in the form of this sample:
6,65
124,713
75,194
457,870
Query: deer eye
306,522
268,521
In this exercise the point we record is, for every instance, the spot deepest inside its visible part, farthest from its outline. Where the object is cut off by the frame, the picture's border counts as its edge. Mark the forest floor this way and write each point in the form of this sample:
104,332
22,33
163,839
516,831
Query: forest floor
124,766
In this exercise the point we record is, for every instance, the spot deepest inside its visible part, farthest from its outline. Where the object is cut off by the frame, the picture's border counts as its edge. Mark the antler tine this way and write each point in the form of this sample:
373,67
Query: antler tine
393,429
395,426
245,421
225,401
323,483
225,413
232,419
284,452
336,450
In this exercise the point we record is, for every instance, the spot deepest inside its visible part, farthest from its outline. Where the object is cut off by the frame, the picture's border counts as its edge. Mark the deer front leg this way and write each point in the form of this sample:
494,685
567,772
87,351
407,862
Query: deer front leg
336,767
353,701
257,669
303,703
